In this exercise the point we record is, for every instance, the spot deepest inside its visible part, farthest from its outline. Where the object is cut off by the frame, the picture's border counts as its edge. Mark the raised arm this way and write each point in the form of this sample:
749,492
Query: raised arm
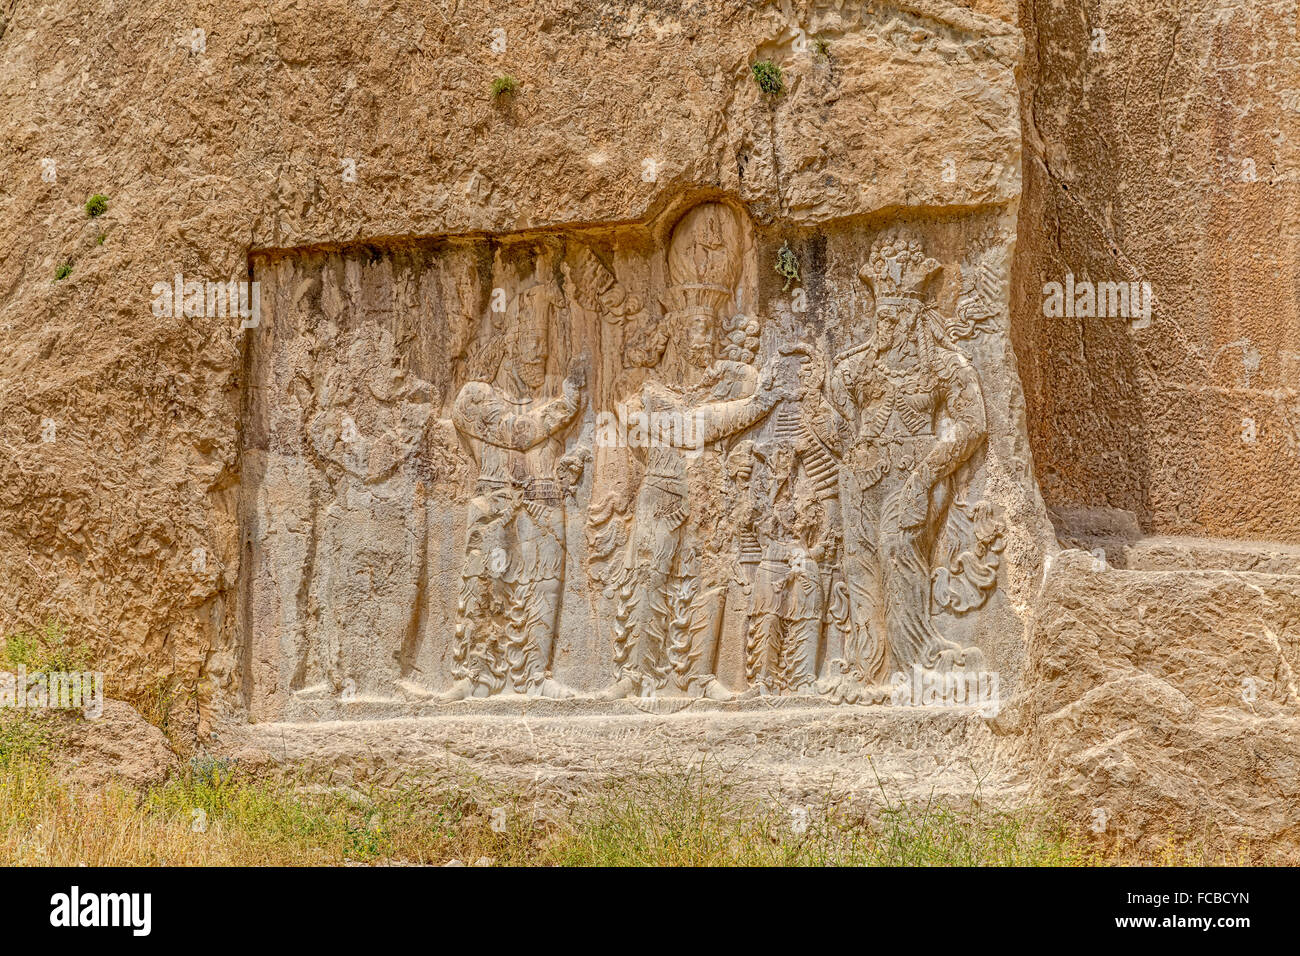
717,420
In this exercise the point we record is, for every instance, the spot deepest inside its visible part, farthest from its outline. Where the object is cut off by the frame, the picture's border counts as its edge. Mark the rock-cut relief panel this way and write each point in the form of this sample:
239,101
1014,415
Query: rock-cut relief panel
629,463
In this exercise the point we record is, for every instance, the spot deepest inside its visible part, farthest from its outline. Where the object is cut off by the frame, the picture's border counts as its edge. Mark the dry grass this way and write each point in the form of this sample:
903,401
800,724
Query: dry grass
190,821
211,817
213,814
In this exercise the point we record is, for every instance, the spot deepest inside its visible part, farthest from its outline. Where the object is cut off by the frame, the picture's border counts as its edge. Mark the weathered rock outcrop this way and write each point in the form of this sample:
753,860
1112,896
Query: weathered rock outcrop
1161,147
118,746
1164,702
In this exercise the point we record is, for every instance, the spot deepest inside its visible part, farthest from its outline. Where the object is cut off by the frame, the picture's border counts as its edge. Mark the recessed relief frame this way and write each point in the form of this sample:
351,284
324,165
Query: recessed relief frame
688,462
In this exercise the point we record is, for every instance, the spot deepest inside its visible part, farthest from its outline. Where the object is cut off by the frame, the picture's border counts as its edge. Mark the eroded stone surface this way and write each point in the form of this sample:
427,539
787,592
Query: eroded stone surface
1161,147
1166,702
859,757
118,746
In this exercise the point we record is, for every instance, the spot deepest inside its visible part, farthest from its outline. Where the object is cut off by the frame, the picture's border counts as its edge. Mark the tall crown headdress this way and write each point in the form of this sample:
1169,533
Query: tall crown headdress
898,270
529,309
703,259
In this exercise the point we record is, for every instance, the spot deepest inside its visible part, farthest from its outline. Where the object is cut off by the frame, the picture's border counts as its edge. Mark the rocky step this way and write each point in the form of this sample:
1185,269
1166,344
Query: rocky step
800,756
1177,553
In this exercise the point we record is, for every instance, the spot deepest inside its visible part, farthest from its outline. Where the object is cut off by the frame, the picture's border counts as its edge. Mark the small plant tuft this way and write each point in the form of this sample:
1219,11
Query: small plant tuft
821,48
96,205
156,702
212,772
63,271
49,649
768,77
787,265
23,737
504,86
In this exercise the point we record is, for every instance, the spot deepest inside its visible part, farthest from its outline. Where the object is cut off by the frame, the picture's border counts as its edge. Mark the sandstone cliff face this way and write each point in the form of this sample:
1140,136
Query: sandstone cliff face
1164,702
336,151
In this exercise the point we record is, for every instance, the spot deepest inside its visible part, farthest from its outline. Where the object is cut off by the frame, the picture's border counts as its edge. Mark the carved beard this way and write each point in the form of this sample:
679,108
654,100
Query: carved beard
533,375
898,340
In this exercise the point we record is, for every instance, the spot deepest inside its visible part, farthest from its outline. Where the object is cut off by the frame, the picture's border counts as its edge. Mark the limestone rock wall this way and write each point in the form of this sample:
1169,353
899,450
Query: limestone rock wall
1161,147
1165,703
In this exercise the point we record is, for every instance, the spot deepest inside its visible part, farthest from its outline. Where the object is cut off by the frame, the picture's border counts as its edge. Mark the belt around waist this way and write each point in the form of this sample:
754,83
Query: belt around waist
533,488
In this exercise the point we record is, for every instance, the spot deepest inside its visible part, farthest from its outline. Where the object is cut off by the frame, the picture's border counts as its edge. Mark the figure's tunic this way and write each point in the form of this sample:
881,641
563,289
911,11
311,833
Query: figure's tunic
672,605
514,549
896,487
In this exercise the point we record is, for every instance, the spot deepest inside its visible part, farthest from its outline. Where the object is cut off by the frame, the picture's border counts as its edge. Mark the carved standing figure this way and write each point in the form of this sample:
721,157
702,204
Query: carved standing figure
674,573
515,535
917,415
786,606
793,510
367,431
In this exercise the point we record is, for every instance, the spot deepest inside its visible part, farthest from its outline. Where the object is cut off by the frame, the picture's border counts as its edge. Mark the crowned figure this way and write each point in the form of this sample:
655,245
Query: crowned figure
916,411
672,584
513,571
